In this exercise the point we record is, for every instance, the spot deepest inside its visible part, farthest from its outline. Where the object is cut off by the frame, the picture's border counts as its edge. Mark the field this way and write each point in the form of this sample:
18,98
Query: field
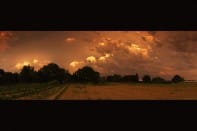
107,91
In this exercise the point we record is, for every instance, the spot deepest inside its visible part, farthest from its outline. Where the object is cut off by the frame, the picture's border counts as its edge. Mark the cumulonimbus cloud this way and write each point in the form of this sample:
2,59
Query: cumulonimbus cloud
156,53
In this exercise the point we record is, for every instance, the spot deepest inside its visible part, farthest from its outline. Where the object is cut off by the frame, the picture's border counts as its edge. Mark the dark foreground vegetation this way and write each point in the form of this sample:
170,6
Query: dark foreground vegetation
86,74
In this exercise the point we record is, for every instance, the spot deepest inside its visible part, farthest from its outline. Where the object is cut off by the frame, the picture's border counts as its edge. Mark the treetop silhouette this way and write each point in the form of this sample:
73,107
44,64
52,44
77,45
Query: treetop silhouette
52,71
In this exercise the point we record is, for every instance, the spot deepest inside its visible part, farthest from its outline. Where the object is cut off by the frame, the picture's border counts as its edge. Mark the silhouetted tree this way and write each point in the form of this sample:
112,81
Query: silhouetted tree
158,80
86,74
2,72
15,77
68,76
131,78
114,78
103,79
146,78
10,78
53,72
63,75
27,74
177,78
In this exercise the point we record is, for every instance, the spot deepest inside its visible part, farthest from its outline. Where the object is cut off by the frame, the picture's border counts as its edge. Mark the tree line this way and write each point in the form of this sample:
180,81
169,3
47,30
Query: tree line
86,74
145,79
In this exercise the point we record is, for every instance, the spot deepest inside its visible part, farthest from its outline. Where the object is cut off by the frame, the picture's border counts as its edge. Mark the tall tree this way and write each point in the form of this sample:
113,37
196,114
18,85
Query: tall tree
86,74
27,74
53,72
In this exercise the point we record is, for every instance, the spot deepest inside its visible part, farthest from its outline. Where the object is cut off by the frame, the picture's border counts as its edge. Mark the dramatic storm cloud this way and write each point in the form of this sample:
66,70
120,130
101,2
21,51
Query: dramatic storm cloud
158,53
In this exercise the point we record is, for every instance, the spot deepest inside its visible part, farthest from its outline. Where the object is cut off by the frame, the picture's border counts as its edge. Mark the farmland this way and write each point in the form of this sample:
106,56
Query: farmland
105,91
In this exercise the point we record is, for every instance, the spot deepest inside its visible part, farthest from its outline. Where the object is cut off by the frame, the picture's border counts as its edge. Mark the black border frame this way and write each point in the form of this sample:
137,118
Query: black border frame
79,16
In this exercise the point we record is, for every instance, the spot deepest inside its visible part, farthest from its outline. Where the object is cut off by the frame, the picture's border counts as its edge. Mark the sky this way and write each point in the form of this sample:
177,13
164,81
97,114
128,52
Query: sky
157,53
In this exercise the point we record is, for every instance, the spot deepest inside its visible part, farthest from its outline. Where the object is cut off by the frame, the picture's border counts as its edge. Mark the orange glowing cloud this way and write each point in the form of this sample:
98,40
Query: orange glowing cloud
91,59
75,63
103,58
135,49
101,44
70,39
149,38
21,64
35,62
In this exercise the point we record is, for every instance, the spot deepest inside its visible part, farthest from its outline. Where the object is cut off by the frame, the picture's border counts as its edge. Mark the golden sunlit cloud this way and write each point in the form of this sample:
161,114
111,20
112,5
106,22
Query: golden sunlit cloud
35,61
102,44
26,63
21,64
75,63
91,59
103,58
149,38
135,49
70,39
107,55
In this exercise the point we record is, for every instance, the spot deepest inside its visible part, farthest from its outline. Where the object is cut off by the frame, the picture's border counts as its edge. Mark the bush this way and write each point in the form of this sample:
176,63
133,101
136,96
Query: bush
146,78
131,78
158,80
114,78
177,79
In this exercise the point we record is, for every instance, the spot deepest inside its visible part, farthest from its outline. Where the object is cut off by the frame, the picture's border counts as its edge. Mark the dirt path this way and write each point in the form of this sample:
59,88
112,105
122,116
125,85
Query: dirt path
75,92
60,93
